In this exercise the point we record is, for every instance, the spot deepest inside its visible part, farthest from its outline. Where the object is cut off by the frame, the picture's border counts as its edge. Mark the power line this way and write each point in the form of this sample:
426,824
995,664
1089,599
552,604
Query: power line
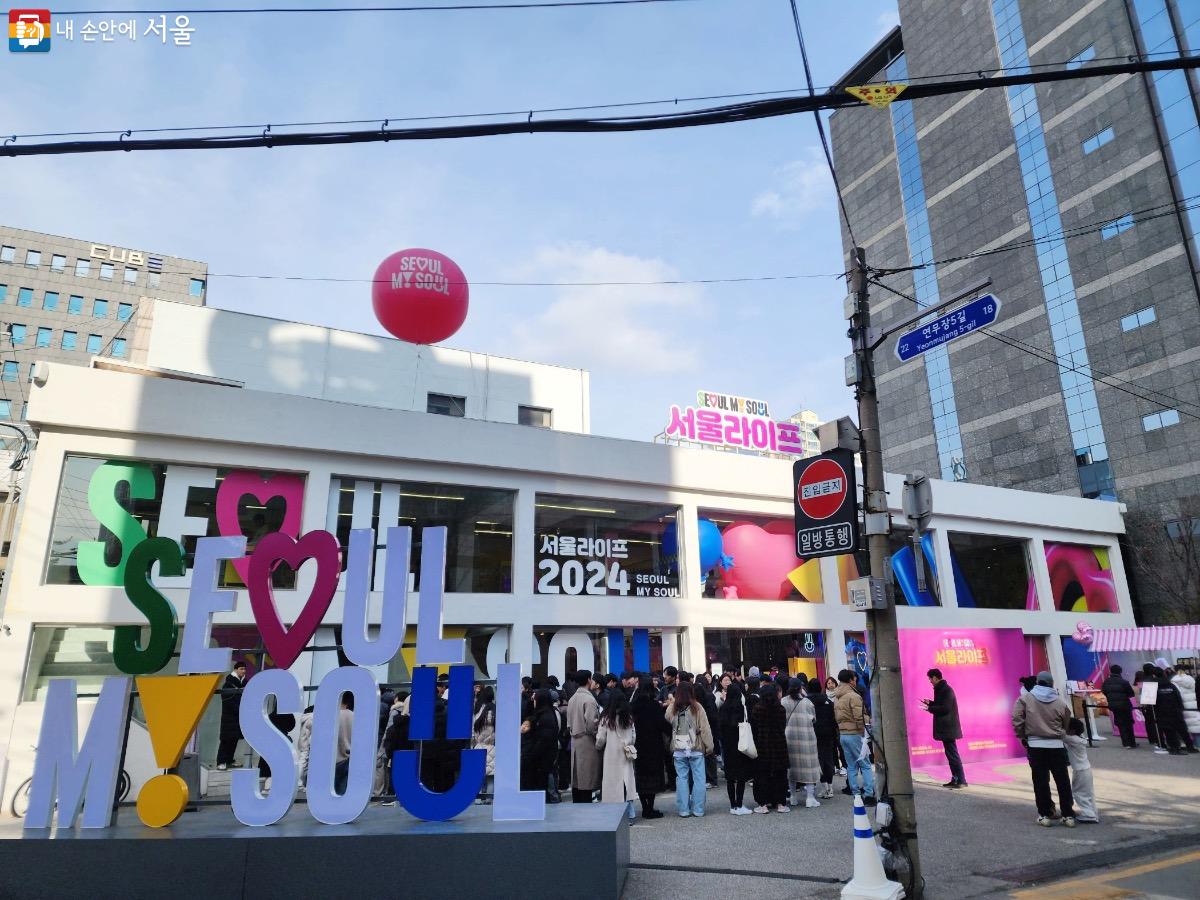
1050,356
737,112
1149,214
837,186
456,7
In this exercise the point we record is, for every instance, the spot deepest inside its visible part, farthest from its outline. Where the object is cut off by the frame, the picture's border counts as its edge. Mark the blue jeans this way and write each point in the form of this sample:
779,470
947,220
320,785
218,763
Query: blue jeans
852,746
689,801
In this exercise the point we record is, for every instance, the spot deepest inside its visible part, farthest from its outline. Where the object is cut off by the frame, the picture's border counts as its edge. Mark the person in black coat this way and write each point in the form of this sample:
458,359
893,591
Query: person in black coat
231,705
539,743
739,768
768,720
1168,709
706,700
1119,694
651,728
826,727
946,725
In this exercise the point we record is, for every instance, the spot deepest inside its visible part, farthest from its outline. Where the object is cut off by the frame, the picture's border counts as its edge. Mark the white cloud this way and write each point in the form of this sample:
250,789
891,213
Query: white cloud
801,186
630,328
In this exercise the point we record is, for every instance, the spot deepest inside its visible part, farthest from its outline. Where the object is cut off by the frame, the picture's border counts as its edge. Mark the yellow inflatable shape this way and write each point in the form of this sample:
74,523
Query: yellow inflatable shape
847,571
162,800
1102,557
806,578
408,649
173,705
1080,605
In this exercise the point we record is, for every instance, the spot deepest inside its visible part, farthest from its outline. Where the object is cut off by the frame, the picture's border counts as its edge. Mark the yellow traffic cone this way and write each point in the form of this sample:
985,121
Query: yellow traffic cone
869,882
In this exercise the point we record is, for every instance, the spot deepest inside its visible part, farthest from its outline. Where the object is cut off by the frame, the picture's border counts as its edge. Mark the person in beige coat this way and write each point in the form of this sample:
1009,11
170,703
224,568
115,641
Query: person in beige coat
583,719
616,737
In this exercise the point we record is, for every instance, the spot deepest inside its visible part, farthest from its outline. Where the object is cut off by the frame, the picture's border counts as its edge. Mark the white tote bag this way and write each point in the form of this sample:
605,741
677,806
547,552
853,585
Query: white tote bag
746,736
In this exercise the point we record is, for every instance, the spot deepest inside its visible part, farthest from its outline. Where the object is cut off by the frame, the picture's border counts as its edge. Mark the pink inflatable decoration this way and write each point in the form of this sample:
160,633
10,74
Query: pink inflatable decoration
762,559
1073,564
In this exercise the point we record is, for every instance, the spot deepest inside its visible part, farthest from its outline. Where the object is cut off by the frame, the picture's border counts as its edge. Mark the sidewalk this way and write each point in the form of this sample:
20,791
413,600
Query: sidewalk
977,842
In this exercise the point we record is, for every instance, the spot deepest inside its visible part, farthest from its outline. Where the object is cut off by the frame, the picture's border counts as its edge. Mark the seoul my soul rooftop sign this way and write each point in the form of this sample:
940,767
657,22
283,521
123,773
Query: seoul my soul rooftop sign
79,778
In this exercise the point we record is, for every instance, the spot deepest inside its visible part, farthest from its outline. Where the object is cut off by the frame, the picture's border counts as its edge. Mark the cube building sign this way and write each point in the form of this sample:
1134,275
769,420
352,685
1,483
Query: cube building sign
826,504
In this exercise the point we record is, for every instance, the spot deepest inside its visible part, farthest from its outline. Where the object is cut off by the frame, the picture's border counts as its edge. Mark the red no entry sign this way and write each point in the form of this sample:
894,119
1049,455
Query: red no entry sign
822,489
826,499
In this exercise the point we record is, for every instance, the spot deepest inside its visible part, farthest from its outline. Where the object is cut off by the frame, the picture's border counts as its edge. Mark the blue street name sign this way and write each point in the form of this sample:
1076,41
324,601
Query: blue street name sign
962,321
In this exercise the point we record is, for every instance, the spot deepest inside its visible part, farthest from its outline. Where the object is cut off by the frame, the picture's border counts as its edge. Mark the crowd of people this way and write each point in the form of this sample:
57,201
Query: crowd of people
621,738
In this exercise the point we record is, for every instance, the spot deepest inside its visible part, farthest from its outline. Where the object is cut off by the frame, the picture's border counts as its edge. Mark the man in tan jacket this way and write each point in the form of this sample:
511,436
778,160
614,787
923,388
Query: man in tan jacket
851,716
583,718
1040,720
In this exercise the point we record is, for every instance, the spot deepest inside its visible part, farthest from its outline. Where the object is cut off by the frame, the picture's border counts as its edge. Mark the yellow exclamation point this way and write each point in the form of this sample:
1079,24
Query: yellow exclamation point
173,705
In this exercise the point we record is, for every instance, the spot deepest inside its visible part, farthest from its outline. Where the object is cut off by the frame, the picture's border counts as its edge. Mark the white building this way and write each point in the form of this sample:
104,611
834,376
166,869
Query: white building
565,550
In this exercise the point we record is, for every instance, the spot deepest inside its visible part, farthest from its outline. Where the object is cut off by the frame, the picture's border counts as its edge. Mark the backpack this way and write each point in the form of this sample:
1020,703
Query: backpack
684,735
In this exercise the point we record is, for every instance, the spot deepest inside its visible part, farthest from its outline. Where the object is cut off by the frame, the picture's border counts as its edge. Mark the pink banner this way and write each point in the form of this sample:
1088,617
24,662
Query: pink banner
982,665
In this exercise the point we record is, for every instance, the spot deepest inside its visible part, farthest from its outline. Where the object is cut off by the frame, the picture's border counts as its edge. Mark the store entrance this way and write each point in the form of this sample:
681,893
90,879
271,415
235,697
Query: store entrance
791,652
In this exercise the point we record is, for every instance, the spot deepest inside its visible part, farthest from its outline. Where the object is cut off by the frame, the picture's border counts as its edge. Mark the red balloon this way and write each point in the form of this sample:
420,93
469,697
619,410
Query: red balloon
420,296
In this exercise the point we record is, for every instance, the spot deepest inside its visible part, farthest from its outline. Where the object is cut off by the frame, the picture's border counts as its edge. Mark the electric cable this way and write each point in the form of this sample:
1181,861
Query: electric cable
455,7
837,185
1052,357
730,113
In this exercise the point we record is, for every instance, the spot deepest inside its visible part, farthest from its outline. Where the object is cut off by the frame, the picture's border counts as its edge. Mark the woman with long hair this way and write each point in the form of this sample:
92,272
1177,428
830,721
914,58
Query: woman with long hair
739,768
651,731
705,698
769,721
804,765
691,741
539,743
826,728
616,737
483,735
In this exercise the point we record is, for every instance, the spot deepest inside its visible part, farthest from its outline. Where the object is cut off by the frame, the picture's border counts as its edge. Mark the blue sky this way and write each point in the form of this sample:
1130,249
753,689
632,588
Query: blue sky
722,201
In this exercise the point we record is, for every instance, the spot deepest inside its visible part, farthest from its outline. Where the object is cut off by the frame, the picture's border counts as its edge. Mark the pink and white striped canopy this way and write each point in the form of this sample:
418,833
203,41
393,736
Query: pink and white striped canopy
1154,637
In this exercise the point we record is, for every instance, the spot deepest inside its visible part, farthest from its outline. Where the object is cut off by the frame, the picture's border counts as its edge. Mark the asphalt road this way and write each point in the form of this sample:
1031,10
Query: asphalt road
978,842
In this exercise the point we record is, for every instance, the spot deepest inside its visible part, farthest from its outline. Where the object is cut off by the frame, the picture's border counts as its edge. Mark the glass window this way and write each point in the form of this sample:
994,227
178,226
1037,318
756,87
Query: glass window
3,292
17,332
68,340
446,405
992,572
24,296
5,410
791,652
1081,578
131,276
118,348
50,301
154,279
106,271
99,309
124,312
83,268
58,263
33,259
74,522
32,369
1116,226
535,416
746,557
75,305
1163,419
1097,140
1181,528
1138,319
598,547
44,336
10,370
24,416
1084,55
479,521
7,254
196,287
94,343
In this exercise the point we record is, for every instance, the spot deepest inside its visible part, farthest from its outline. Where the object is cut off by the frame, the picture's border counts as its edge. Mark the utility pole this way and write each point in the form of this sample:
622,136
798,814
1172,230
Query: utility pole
887,693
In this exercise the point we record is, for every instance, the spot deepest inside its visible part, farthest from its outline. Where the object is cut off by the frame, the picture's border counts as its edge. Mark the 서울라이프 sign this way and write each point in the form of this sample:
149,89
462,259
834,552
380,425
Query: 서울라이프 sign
731,429
76,780
597,567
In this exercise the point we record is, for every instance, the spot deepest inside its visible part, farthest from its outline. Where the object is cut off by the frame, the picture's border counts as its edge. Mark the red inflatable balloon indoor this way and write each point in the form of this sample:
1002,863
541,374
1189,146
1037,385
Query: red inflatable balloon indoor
420,296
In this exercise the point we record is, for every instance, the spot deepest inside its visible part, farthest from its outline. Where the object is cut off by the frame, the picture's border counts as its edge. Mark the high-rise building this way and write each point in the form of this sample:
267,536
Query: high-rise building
1080,200
68,300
